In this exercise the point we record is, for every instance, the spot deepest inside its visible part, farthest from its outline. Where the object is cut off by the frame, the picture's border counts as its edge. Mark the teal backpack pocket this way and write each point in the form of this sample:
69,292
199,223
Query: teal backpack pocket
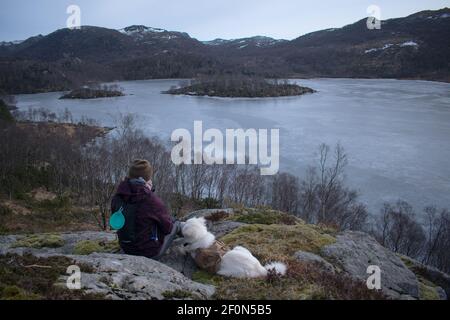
117,220
124,220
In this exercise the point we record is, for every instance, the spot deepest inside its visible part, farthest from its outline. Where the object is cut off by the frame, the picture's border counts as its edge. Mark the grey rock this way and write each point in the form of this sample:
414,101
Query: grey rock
353,252
178,260
137,278
221,228
309,257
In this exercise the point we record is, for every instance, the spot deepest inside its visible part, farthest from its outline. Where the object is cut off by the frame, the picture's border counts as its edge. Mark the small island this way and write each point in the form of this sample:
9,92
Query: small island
94,93
239,87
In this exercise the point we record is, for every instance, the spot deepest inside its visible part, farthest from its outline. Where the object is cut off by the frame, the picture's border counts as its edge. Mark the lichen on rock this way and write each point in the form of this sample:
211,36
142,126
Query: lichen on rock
86,247
40,241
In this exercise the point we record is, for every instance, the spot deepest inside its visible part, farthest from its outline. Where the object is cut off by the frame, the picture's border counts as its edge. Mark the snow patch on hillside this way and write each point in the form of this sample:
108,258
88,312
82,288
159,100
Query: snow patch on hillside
10,43
409,43
441,16
258,41
386,46
133,30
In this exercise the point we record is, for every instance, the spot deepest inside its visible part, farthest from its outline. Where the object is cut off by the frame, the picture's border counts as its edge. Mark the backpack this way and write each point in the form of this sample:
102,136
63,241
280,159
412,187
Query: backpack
124,220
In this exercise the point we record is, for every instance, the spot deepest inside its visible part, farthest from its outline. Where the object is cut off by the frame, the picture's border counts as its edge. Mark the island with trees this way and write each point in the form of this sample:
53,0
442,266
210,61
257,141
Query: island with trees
94,92
239,87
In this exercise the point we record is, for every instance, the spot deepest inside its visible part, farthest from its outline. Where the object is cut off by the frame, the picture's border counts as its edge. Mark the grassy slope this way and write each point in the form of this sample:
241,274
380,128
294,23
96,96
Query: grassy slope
275,236
270,235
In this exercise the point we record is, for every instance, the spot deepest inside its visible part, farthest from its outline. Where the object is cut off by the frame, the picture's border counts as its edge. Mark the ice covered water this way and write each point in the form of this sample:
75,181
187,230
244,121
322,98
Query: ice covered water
396,133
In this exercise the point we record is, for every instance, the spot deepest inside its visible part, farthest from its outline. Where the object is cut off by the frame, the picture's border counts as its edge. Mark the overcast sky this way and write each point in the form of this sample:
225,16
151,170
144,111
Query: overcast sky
202,19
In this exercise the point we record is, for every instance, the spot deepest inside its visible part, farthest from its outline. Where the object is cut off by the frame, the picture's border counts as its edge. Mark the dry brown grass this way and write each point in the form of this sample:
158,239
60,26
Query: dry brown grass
31,278
218,216
302,282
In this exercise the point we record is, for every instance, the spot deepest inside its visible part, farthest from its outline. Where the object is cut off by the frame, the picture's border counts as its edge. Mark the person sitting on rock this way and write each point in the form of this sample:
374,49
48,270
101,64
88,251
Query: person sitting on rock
150,229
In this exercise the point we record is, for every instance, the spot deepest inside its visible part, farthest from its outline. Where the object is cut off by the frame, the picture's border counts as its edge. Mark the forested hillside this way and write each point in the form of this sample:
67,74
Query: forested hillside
414,47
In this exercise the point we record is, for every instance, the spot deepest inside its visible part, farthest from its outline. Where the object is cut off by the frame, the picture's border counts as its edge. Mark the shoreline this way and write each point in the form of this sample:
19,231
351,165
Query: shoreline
284,78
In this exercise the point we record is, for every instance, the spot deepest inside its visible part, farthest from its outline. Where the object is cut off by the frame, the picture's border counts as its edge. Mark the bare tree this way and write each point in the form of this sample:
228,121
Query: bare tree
324,198
285,193
399,231
437,226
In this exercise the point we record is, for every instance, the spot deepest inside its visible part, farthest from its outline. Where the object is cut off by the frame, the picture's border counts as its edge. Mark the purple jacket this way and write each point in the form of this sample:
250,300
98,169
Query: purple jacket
151,215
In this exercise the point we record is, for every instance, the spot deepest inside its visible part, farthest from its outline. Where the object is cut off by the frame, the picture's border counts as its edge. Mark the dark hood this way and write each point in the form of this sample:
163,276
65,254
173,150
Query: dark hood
136,191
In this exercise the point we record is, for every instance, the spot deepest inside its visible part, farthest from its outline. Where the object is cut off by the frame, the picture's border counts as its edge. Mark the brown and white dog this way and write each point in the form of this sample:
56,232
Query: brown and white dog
213,256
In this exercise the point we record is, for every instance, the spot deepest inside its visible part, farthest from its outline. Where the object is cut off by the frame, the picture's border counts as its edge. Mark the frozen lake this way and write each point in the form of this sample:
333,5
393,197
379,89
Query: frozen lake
396,133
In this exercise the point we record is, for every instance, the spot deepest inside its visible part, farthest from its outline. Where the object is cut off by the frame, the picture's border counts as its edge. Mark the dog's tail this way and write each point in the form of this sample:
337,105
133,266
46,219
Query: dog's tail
279,267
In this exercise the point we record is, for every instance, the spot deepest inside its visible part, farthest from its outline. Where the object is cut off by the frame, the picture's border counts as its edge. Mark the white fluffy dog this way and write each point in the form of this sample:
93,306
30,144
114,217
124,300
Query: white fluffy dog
238,262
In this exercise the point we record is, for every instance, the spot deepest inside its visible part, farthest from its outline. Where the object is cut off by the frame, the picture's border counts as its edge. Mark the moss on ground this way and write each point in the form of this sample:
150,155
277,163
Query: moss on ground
87,247
427,290
177,294
40,241
29,278
278,242
264,216
16,293
204,277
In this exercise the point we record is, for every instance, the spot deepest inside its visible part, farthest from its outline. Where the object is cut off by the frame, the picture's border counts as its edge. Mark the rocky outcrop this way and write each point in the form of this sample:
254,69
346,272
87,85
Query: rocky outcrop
138,278
115,276
118,276
354,252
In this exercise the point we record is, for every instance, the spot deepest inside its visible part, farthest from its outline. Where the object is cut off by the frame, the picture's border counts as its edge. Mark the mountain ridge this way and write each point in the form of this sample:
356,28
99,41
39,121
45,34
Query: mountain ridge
412,47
